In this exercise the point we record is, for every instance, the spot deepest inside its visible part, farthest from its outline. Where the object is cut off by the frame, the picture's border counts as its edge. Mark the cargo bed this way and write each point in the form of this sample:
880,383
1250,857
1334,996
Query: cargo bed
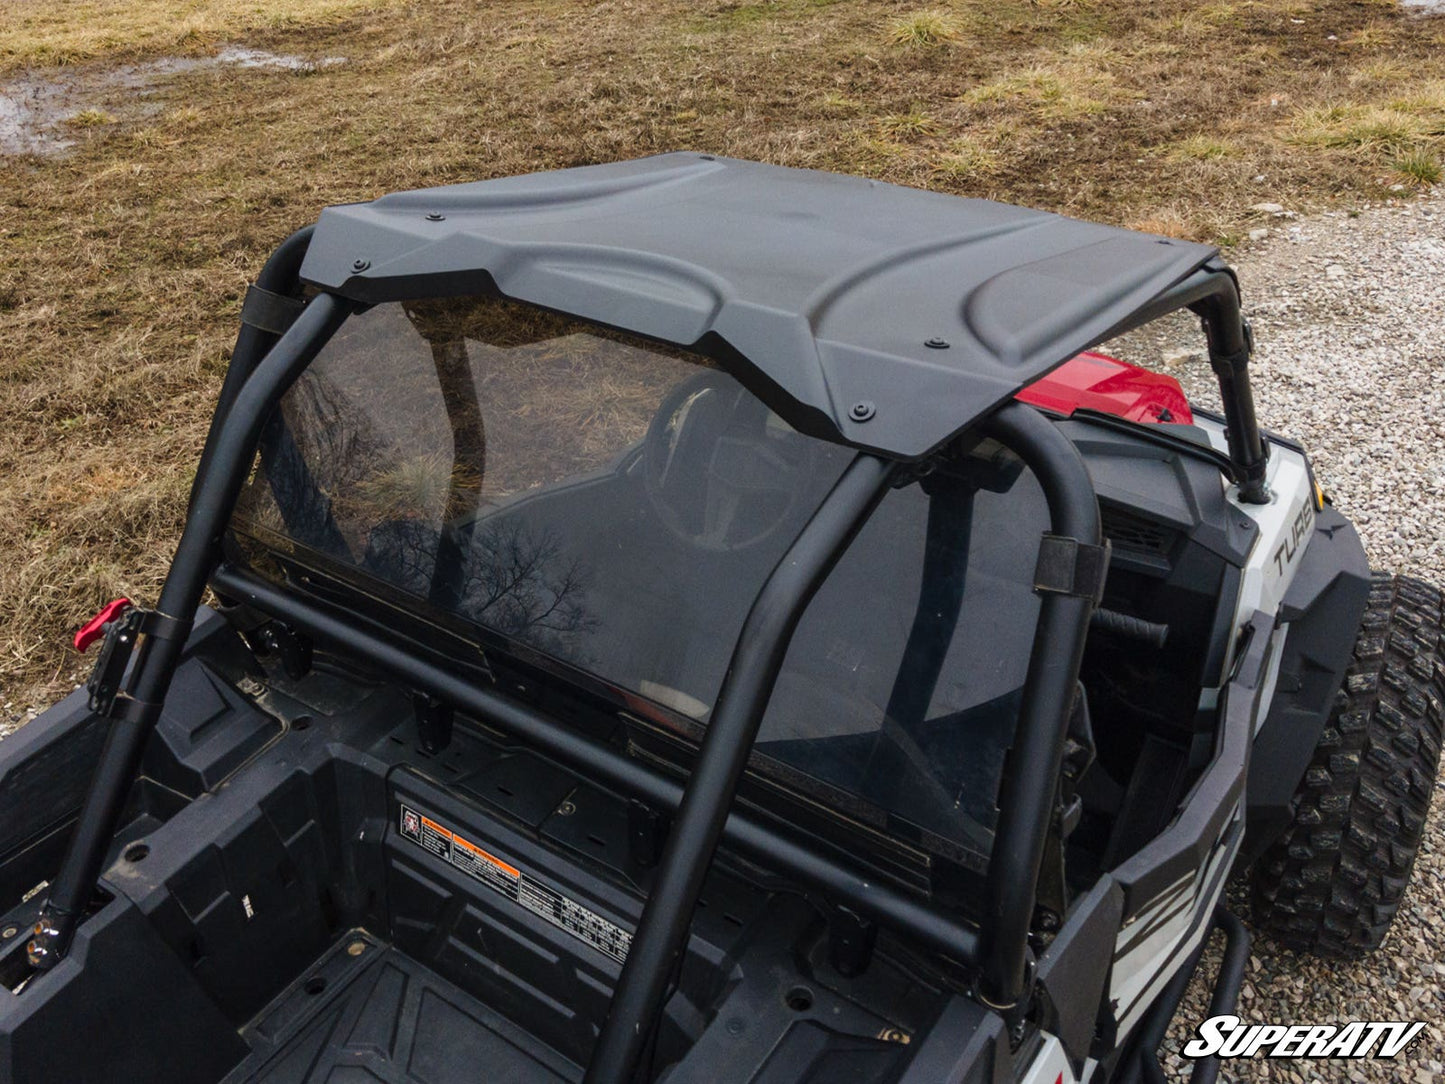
302,892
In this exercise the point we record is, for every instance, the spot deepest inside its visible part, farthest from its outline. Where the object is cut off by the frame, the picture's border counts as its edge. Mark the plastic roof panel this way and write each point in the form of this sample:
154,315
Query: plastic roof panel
829,286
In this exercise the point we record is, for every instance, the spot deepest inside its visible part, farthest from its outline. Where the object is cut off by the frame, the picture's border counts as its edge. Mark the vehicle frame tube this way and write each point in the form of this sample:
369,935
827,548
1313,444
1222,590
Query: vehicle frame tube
757,658
1032,769
213,496
1212,294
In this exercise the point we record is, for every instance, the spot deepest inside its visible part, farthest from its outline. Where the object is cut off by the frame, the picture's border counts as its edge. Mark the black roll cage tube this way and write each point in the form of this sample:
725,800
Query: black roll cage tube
232,447
263,367
1212,294
1032,766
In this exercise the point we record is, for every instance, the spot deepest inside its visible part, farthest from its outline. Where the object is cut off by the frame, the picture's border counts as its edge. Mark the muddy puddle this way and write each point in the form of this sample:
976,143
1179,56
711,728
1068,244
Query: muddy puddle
42,113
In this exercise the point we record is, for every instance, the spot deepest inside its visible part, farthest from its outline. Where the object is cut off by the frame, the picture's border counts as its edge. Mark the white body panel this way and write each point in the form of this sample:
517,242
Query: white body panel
1284,527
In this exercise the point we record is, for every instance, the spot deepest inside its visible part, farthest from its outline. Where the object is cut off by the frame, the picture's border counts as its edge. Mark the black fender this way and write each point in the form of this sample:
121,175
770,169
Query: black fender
1322,611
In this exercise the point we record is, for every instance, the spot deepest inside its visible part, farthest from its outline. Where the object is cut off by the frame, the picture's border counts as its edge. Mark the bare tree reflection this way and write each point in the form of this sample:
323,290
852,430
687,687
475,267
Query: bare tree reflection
523,585
516,579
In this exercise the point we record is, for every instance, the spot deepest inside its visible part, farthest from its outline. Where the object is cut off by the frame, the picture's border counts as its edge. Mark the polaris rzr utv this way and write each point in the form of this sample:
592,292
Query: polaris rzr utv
692,620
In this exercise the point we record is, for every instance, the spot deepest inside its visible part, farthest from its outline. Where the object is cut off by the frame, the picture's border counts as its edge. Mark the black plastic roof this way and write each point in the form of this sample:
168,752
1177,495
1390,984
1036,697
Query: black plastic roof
832,287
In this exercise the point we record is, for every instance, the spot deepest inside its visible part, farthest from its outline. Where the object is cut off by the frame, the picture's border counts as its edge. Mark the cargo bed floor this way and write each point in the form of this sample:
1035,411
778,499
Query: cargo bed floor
366,1012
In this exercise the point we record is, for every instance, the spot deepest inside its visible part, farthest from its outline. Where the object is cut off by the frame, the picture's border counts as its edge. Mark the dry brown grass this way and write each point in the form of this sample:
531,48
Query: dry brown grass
71,31
125,262
923,29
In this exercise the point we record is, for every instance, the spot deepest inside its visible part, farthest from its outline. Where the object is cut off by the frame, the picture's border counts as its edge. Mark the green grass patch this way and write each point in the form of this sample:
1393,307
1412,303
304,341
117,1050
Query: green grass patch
1421,167
913,124
1203,148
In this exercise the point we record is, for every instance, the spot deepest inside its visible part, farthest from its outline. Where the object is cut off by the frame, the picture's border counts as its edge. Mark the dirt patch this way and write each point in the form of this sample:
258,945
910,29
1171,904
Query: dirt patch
44,112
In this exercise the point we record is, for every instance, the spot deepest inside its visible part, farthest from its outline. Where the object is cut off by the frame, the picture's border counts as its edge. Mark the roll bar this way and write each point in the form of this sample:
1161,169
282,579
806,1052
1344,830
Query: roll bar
1069,578
757,658
1212,294
161,638
1030,781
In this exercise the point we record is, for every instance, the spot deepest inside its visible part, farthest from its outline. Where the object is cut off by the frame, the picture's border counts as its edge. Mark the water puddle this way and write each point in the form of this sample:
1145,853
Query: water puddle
42,113
1424,7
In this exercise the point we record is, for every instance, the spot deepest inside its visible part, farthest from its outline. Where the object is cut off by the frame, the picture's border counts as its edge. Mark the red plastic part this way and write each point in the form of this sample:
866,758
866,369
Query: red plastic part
1097,382
94,629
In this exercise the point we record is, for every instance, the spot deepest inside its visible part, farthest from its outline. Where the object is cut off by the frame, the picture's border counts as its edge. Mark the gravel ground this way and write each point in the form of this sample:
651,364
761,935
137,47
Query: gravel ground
1349,317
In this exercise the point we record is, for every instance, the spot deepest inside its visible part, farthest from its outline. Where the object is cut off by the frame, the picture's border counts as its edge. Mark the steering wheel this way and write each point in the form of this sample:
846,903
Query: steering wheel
721,470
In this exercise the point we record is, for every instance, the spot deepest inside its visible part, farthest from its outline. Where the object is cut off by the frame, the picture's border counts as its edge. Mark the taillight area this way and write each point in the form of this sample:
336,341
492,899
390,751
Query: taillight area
1098,382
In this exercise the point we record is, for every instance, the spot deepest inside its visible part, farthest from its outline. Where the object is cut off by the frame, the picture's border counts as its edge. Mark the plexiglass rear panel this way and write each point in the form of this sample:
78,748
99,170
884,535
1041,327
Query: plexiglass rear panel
613,506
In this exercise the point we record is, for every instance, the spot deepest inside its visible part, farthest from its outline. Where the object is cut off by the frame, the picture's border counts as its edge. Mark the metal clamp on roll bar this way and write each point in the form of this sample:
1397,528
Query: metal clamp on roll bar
120,626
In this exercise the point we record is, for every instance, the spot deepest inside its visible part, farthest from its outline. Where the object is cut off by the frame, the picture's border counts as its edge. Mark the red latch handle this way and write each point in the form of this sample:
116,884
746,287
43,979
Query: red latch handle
94,629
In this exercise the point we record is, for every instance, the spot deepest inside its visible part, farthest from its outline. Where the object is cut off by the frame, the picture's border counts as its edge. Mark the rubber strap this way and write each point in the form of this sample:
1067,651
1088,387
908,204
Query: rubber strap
270,312
1070,567
163,626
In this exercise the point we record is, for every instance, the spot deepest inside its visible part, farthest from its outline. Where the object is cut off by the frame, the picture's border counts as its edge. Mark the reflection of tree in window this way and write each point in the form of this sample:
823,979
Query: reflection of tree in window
315,461
522,585
516,580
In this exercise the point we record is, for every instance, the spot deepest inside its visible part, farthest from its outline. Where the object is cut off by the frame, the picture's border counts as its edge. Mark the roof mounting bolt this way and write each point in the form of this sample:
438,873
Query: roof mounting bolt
937,344
862,410
436,216
358,266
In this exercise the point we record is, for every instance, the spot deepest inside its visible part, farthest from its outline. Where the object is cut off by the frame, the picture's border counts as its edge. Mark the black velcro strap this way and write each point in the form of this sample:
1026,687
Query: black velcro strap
1070,567
163,626
266,311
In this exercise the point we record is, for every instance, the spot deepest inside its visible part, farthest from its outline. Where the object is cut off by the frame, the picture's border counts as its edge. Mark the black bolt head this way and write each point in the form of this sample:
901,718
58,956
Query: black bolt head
360,265
862,410
436,216
937,344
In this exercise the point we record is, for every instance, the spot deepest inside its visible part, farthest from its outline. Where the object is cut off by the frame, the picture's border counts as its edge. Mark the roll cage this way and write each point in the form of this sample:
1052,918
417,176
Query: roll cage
282,333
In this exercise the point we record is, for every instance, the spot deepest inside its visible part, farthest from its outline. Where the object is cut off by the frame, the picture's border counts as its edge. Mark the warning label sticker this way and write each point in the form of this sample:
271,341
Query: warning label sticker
565,913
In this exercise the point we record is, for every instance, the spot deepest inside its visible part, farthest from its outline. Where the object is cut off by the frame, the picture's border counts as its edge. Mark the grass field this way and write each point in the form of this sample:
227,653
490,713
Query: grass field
123,262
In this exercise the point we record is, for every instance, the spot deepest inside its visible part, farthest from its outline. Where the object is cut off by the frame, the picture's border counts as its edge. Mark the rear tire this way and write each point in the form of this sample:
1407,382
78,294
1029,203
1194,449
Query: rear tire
1332,882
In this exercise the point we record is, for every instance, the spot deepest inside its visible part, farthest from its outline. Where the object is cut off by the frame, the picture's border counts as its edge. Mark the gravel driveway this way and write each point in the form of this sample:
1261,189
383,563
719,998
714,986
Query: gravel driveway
1349,319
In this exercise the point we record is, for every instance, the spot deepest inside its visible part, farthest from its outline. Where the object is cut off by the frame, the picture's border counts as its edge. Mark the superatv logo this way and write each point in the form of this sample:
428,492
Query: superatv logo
1228,1037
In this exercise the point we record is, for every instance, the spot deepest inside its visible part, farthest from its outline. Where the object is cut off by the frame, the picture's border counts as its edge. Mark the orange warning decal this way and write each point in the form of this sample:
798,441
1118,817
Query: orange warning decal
490,859
526,891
